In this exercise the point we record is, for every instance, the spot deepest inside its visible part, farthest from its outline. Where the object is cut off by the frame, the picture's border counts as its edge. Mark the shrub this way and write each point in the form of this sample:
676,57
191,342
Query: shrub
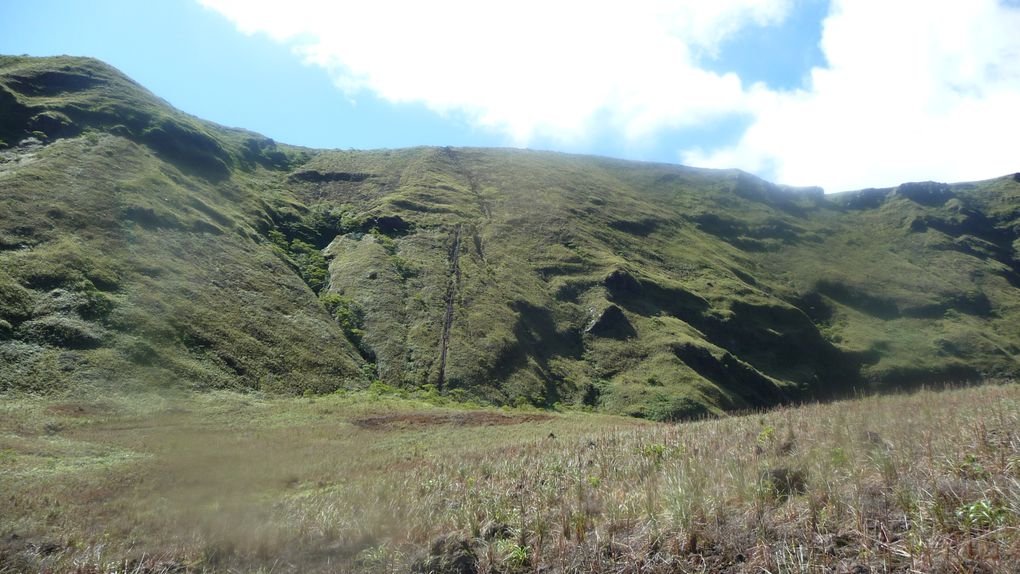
306,257
310,263
349,316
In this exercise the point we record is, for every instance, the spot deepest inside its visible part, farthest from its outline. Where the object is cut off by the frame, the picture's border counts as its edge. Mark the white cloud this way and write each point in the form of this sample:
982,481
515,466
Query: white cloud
913,89
530,68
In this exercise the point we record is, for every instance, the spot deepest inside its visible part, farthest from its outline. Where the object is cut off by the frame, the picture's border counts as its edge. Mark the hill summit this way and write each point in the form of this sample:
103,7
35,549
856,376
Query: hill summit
141,246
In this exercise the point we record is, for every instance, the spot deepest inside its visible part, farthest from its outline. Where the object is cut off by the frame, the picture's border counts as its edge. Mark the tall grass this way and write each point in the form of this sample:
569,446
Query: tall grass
926,482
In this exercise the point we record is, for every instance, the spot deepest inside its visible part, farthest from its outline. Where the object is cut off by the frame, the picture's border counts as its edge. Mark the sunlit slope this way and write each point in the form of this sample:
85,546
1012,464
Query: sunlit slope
663,290
129,257
203,255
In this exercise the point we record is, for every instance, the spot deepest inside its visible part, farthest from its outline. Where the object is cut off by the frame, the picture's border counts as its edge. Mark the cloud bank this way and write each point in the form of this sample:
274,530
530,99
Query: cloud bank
911,90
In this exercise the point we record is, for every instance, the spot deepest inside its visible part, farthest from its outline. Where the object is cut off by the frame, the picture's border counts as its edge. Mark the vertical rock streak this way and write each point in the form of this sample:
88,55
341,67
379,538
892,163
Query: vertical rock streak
451,296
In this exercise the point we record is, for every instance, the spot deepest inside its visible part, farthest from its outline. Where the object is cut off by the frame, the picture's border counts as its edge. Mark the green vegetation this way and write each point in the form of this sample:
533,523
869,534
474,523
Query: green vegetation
124,265
366,481
308,260
142,247
351,319
354,318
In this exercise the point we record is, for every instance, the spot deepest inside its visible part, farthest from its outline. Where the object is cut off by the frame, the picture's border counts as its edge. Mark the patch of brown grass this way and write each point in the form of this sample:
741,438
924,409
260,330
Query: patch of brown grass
926,482
417,420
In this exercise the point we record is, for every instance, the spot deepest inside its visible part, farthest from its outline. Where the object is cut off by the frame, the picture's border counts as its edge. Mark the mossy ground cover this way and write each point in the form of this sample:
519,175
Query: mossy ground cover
373,481
123,261
140,246
733,292
134,271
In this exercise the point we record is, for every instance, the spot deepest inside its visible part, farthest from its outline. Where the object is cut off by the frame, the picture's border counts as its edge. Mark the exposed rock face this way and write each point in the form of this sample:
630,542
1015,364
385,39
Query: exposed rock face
315,176
863,199
926,192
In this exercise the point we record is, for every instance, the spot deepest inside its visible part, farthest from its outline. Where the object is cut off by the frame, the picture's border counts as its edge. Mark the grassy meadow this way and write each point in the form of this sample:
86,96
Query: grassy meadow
376,482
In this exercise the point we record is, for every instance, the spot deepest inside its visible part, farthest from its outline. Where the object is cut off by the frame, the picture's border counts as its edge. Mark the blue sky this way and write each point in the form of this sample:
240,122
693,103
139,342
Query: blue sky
806,92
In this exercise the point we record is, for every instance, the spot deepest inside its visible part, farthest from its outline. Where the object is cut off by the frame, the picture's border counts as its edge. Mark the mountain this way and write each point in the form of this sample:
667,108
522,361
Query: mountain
141,246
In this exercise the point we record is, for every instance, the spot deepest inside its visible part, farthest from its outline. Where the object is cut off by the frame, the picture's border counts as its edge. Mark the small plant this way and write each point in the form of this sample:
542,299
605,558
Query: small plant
981,514
370,372
376,557
405,269
839,457
7,455
514,555
655,451
971,468
522,402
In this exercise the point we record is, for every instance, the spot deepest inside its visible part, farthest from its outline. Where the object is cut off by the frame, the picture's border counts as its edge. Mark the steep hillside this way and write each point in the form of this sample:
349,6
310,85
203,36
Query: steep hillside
141,245
132,244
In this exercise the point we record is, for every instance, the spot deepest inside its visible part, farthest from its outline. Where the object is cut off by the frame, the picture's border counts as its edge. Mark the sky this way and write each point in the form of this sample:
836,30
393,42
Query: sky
843,94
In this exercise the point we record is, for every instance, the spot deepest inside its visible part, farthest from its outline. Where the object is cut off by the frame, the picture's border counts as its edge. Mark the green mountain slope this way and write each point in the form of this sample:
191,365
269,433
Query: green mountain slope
143,246
131,244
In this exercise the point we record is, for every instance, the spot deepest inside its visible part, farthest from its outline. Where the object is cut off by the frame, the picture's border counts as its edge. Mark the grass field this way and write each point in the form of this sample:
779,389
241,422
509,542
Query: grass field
370,482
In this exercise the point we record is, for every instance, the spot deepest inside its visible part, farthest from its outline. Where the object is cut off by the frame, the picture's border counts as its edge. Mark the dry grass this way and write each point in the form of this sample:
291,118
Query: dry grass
926,482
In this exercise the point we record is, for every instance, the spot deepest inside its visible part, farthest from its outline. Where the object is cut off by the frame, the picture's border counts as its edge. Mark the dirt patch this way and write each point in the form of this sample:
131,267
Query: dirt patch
460,419
79,409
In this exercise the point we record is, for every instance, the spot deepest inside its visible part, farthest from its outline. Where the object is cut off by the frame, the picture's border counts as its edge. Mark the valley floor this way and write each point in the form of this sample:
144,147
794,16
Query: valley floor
223,482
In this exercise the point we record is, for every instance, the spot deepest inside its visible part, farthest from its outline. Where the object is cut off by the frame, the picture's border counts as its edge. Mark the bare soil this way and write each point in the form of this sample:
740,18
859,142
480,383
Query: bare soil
392,421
